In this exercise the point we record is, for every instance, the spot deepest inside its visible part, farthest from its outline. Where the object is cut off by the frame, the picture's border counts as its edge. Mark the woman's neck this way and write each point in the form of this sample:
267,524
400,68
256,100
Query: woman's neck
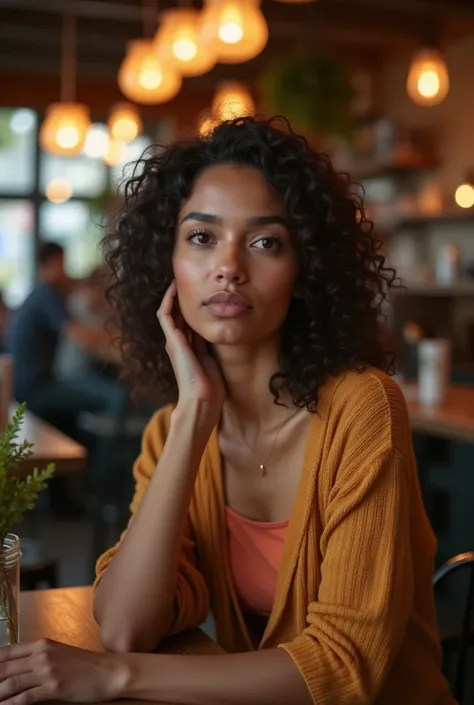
247,371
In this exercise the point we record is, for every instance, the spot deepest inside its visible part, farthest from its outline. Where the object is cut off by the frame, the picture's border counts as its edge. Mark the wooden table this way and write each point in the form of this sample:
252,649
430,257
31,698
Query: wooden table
49,446
66,615
454,419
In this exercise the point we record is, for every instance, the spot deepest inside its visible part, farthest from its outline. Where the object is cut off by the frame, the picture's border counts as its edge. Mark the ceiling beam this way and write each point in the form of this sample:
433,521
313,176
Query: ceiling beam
18,37
133,12
91,9
28,35
428,8
17,63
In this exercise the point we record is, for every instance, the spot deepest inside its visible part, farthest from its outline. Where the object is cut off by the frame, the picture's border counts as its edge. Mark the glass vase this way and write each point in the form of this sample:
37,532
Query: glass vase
10,554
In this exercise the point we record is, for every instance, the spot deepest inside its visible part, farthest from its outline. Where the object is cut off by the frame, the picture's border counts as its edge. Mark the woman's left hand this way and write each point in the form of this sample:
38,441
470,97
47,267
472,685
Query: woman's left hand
48,670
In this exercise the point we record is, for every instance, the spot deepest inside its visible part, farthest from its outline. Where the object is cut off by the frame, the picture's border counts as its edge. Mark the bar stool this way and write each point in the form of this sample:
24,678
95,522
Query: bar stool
454,592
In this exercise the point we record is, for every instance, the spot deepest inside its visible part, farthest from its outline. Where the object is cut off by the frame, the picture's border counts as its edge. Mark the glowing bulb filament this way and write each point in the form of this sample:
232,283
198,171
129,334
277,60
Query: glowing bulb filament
428,84
428,78
464,196
150,76
231,28
125,129
67,137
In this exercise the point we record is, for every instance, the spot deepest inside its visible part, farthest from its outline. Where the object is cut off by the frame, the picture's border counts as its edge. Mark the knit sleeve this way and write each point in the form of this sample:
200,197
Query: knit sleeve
357,625
191,599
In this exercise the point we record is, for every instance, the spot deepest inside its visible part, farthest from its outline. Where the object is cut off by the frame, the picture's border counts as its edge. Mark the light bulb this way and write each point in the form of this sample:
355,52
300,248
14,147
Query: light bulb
58,191
65,128
464,196
237,29
116,152
185,49
149,77
428,84
179,44
146,78
231,29
124,122
207,123
428,78
67,137
125,129
232,100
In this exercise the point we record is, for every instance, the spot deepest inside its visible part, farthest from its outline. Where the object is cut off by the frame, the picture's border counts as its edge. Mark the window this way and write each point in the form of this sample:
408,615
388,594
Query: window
16,250
86,176
61,199
78,229
17,151
133,152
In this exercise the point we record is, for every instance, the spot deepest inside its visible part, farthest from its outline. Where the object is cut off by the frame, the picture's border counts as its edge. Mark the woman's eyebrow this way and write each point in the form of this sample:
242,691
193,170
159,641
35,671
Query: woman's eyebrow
202,217
255,221
267,220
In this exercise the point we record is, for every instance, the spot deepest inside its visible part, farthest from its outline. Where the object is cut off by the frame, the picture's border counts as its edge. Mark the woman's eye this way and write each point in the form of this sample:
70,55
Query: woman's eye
268,243
199,238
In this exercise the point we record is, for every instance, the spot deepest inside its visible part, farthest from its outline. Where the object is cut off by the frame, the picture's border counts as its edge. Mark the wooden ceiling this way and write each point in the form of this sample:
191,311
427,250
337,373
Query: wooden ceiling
30,31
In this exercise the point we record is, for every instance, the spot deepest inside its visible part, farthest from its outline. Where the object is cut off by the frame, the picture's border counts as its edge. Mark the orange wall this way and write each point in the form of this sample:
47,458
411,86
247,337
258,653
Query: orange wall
38,91
453,120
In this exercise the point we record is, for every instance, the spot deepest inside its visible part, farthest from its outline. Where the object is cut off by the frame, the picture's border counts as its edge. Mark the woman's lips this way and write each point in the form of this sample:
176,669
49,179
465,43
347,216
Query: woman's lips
225,304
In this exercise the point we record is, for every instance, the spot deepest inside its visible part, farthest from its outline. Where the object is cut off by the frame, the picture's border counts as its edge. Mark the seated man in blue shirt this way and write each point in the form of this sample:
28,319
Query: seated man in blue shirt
33,339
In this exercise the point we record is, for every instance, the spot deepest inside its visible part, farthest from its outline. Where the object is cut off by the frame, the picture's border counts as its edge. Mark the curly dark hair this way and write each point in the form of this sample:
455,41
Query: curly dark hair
338,323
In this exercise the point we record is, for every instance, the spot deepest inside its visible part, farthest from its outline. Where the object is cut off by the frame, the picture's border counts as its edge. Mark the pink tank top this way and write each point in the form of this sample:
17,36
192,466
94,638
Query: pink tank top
255,553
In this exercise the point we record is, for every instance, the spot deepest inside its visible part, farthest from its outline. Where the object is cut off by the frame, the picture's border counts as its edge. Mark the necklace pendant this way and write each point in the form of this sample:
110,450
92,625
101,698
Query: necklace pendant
263,470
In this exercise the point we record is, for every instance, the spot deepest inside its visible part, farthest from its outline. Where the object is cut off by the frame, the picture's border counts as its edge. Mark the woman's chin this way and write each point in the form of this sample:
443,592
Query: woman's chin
228,332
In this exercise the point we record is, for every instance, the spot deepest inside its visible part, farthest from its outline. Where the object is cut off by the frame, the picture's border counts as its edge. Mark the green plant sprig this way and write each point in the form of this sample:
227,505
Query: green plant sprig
17,495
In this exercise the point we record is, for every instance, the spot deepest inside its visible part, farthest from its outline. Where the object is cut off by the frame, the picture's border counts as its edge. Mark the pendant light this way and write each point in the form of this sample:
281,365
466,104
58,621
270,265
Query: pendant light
179,44
116,152
58,191
65,126
144,77
236,28
428,77
124,122
206,123
232,100
464,194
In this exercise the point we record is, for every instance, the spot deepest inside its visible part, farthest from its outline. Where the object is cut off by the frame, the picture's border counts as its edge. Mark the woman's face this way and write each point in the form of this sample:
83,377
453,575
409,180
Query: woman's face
234,260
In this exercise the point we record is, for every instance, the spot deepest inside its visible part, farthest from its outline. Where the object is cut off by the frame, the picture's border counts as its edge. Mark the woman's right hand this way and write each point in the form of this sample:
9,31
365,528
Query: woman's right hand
200,381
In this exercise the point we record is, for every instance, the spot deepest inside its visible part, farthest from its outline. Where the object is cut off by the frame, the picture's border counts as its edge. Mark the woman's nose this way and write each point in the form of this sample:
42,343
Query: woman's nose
230,266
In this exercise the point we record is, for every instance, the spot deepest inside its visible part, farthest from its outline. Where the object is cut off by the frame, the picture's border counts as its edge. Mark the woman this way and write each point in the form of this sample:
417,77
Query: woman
281,490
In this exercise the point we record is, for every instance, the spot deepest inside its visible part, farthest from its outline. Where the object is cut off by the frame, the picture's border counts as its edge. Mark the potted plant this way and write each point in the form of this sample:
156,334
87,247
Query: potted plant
17,495
314,92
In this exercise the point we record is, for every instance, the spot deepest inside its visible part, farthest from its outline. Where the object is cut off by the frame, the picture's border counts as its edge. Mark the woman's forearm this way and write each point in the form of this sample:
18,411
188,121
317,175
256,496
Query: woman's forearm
134,601
255,678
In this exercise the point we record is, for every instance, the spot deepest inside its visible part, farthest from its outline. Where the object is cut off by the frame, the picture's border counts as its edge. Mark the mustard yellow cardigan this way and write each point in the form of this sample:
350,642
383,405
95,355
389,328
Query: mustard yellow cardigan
354,604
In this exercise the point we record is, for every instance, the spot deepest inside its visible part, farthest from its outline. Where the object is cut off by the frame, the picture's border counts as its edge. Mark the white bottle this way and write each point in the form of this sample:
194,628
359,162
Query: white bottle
447,265
434,370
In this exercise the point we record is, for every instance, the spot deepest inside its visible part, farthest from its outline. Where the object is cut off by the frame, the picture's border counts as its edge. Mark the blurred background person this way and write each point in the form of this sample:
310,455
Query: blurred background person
33,339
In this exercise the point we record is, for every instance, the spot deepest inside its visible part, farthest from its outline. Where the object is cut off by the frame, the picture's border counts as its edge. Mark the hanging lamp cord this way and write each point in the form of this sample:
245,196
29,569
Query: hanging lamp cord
149,17
68,52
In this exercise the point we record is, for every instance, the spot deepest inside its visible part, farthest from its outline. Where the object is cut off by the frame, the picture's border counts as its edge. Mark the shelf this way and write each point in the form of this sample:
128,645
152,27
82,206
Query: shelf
461,288
395,171
423,221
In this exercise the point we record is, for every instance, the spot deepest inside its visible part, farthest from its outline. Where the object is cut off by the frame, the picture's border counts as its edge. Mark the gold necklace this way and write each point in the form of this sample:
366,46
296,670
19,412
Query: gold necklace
263,466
